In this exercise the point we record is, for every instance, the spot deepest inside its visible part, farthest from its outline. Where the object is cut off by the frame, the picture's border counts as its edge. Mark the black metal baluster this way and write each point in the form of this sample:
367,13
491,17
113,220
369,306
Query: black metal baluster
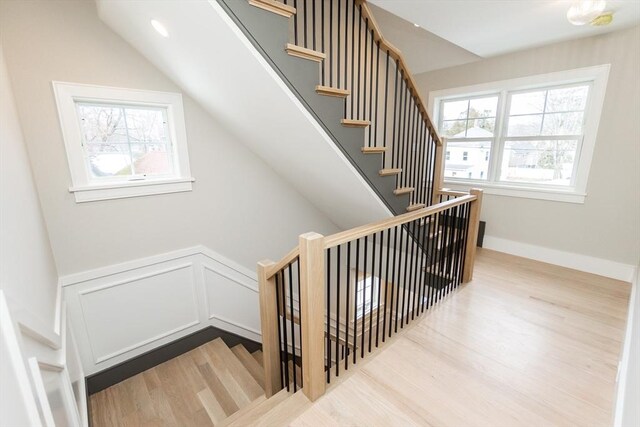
346,318
313,26
387,282
399,140
284,330
323,78
466,237
386,95
359,73
330,43
373,278
355,302
405,295
328,346
450,248
338,311
295,23
398,250
279,306
364,71
422,273
433,248
375,117
364,285
380,284
306,2
415,157
297,262
405,141
353,57
416,267
339,71
456,252
371,92
293,330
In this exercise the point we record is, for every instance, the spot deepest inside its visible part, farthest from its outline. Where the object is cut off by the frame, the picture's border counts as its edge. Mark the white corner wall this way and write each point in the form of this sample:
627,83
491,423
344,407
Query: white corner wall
603,234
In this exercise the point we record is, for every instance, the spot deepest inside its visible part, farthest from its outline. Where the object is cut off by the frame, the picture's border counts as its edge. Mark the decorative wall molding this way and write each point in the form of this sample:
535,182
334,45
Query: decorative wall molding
588,264
225,295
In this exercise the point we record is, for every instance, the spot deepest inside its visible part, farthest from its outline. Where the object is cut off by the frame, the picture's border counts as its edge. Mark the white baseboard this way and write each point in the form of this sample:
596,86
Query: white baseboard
588,264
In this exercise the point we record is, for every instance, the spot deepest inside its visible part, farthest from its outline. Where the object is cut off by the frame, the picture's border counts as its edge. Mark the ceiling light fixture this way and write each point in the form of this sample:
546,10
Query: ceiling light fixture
583,12
161,29
416,25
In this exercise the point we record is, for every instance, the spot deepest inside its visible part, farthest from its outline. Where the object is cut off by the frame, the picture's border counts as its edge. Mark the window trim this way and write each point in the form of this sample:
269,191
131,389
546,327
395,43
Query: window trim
597,76
86,190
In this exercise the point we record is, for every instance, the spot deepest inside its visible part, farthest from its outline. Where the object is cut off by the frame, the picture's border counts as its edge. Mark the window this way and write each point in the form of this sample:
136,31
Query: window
366,293
530,137
123,142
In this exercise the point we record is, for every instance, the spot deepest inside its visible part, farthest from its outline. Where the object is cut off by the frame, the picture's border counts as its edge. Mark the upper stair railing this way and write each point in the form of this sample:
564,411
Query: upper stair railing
379,92
333,300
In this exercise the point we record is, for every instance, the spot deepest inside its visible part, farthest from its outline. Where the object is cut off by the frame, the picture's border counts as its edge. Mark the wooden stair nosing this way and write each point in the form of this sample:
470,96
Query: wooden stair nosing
251,415
373,150
304,53
233,417
285,412
274,6
332,91
258,356
402,190
415,207
390,172
355,123
254,368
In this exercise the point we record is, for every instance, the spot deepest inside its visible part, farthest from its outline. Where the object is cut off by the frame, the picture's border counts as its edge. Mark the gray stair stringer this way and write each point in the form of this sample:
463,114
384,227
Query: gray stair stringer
269,33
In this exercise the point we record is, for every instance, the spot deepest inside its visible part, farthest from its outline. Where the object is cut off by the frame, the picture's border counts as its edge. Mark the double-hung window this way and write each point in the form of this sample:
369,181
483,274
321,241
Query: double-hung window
123,142
532,137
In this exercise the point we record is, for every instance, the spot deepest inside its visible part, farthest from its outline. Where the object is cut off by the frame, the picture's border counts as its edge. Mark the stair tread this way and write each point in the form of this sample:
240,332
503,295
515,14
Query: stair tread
285,412
211,405
275,7
251,415
254,368
235,377
233,417
258,356
304,53
215,384
402,190
390,171
332,91
373,150
355,123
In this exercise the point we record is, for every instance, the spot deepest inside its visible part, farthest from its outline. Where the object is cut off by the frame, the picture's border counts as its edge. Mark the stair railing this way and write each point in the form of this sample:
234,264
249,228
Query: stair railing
379,90
333,300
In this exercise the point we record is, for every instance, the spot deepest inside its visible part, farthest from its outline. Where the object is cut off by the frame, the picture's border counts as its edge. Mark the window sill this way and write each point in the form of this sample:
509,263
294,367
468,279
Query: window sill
91,193
556,195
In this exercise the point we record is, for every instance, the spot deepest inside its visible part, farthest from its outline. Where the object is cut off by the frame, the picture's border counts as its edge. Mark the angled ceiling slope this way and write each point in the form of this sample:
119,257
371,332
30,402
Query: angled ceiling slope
493,27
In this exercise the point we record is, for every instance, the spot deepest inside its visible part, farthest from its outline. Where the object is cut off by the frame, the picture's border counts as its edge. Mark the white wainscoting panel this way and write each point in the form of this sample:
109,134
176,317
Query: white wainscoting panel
121,311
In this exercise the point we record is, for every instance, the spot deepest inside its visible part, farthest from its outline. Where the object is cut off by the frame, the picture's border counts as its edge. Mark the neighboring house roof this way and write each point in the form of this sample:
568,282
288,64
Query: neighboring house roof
474,132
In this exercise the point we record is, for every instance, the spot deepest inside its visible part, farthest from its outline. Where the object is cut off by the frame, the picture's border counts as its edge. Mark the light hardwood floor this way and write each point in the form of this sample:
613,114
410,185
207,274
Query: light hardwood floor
523,344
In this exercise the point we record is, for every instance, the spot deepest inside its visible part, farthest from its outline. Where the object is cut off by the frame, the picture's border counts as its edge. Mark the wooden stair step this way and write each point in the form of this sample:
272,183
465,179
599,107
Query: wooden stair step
285,412
373,150
231,419
254,368
332,91
390,171
402,190
415,207
258,356
274,6
353,123
304,53
249,416
215,411
214,383
236,379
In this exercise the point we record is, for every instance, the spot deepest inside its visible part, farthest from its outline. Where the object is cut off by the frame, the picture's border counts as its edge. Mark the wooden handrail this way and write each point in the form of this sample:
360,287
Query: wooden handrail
396,54
448,192
286,260
374,227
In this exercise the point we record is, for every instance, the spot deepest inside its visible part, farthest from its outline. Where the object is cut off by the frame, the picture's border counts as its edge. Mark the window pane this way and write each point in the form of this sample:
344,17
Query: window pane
453,110
527,103
539,162
562,124
483,107
103,123
108,160
150,159
567,99
468,160
481,128
146,125
454,128
525,125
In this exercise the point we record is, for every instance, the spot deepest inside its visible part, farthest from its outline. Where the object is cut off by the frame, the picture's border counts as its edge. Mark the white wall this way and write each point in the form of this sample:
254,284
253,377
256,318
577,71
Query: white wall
628,400
607,226
239,207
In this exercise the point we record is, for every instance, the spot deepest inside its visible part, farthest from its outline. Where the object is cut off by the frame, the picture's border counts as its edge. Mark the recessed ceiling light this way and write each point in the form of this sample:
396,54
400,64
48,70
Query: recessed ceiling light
161,29
416,25
583,12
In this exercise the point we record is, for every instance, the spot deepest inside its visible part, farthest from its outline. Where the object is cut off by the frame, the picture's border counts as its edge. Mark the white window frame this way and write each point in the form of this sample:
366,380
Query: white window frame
82,186
596,76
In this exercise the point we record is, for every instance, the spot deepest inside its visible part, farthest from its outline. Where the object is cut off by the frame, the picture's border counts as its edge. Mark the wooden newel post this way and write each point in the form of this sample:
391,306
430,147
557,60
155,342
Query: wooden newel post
312,313
472,237
438,171
269,326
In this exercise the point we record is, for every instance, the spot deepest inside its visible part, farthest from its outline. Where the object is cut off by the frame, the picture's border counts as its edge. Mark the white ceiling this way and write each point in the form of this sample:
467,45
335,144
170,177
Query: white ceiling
493,27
